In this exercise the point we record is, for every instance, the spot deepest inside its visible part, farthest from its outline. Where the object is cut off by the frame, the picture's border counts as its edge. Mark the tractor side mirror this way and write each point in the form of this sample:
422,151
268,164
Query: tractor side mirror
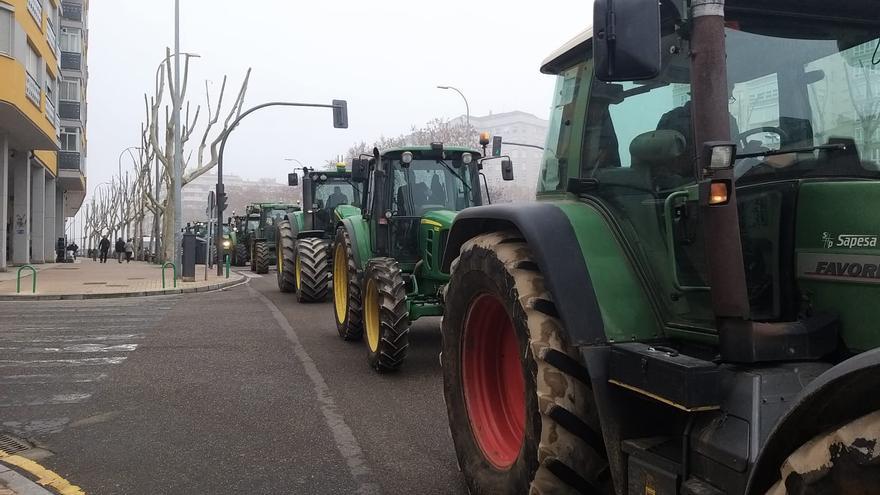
507,169
626,39
360,168
292,179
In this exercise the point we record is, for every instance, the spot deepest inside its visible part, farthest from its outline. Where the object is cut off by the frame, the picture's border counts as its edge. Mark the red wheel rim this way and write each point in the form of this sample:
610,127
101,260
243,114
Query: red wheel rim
494,388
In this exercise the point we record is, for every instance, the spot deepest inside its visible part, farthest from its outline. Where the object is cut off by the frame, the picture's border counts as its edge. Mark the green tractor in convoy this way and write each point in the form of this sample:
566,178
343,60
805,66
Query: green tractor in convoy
303,238
233,245
387,261
259,232
692,306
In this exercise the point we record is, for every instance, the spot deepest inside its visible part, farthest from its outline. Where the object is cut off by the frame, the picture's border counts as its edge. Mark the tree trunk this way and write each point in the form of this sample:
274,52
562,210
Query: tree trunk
168,226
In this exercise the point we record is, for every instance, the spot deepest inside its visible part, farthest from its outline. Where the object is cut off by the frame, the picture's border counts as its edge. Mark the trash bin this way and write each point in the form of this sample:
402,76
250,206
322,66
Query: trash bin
201,248
188,258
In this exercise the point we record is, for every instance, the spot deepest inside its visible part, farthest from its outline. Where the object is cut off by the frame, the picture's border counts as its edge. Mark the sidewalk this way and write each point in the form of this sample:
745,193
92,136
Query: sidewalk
90,279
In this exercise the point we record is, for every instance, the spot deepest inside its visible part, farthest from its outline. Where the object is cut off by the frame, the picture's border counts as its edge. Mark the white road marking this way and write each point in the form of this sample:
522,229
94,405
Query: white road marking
251,275
40,363
343,437
40,400
73,348
47,378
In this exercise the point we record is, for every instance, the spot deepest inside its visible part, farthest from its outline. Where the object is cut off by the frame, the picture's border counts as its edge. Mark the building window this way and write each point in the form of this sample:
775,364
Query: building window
6,29
71,40
70,139
69,90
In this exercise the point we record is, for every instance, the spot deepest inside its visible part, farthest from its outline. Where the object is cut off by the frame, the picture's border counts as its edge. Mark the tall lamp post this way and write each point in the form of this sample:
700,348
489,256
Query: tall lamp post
467,107
340,121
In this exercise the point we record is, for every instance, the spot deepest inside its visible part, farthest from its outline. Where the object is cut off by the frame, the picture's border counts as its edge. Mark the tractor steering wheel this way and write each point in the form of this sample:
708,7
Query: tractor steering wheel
741,137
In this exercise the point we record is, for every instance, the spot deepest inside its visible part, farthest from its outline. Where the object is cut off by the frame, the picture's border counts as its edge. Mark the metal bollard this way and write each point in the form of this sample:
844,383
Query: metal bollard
173,272
18,279
227,262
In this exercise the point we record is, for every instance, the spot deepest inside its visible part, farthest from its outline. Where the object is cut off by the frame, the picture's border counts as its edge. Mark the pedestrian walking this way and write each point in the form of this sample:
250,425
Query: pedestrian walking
129,250
73,248
104,246
119,249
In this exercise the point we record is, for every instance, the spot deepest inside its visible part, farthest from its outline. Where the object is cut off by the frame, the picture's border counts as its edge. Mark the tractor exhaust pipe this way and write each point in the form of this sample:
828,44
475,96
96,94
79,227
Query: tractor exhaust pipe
711,121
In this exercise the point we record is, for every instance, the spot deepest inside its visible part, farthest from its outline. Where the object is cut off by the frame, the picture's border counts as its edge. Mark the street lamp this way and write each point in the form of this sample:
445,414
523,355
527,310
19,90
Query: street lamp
340,121
294,160
466,106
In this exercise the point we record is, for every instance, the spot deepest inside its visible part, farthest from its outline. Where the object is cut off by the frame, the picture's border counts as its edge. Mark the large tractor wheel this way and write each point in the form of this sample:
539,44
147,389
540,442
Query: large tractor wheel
312,270
240,257
841,461
347,308
519,424
386,316
286,251
261,257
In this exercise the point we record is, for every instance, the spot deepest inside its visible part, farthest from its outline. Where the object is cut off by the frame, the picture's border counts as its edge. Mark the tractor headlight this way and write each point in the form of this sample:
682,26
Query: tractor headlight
466,158
226,244
406,158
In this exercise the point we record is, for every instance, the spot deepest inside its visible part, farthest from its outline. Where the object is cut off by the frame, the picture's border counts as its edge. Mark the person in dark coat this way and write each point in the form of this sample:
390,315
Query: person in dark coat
104,247
120,249
73,248
59,250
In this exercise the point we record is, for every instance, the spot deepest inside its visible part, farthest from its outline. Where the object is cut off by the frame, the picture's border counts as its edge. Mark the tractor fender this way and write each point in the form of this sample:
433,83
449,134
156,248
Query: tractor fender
842,393
357,230
549,233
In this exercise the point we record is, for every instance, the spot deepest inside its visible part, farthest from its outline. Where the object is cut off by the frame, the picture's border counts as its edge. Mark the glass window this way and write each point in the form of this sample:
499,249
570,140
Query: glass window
69,139
71,40
332,194
33,63
6,29
428,185
558,147
69,90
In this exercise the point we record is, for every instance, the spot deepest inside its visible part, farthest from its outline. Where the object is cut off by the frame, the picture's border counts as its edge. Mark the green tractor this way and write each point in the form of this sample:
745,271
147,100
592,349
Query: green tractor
259,232
232,243
303,238
386,261
691,306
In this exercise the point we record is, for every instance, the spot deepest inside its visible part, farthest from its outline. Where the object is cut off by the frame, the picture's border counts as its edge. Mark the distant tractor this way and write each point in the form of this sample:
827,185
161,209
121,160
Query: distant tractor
387,261
303,238
232,243
259,233
692,305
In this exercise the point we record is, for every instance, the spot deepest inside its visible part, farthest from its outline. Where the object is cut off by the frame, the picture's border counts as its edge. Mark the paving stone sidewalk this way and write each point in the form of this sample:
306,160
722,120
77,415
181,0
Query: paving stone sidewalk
86,279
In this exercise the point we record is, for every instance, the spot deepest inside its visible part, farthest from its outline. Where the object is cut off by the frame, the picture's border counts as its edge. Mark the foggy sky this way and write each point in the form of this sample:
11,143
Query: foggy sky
386,58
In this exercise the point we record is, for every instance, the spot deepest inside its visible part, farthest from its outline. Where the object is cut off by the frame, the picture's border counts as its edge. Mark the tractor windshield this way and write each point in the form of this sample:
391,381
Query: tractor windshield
428,185
253,223
332,193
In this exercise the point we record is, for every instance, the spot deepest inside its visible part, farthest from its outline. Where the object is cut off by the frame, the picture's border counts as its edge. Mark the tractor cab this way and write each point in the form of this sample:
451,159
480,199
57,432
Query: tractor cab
323,193
413,194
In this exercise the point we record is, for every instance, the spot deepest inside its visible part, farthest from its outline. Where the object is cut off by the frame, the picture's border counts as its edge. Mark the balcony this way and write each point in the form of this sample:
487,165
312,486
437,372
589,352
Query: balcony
71,61
52,38
52,115
35,7
70,160
69,110
32,90
72,11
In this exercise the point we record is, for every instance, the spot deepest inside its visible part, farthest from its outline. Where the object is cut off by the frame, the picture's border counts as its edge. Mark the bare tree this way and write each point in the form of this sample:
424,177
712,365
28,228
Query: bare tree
158,138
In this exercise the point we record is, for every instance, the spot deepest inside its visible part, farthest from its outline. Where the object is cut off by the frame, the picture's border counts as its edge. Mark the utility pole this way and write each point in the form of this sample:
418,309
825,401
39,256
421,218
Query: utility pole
178,155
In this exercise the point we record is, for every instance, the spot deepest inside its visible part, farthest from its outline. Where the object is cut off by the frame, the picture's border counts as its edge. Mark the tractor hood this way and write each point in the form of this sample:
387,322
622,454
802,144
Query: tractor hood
441,219
838,255
345,211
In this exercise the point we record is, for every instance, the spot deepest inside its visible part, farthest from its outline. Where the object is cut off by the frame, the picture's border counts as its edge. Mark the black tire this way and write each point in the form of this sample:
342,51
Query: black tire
313,263
286,270
558,446
252,256
386,315
347,305
261,257
240,256
836,462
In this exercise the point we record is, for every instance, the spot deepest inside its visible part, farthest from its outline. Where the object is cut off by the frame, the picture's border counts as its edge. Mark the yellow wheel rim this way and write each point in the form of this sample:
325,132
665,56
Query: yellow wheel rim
371,315
298,272
340,282
280,264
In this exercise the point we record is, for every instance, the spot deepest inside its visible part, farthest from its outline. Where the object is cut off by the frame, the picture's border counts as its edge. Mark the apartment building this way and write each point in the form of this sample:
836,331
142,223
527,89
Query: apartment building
42,141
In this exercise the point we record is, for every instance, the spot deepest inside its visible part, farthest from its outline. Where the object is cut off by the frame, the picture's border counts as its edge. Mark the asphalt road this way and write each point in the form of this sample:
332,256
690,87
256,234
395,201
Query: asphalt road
237,391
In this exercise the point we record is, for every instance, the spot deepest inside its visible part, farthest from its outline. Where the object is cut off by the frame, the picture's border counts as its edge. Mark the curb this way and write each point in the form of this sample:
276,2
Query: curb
112,295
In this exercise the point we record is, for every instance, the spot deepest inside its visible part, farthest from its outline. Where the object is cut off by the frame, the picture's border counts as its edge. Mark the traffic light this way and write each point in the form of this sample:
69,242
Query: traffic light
496,145
221,201
340,114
